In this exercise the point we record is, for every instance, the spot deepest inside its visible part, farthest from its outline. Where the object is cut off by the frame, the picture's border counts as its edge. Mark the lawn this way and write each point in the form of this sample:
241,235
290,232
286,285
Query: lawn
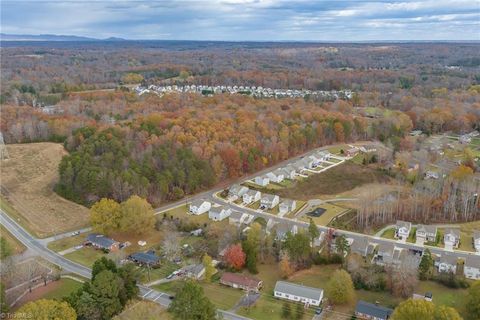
64,288
66,243
466,234
144,310
327,216
16,246
166,268
300,206
389,233
443,295
336,180
182,213
85,256
223,297
28,179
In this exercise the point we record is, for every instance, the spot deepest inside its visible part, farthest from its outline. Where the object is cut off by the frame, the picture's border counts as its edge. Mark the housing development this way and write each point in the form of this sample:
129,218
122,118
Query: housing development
199,180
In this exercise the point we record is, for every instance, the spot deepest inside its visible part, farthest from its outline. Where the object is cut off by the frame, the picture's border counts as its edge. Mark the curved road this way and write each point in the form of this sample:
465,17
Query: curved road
40,248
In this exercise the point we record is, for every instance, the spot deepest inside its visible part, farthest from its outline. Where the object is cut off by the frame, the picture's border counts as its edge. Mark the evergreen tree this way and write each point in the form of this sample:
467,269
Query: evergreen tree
426,265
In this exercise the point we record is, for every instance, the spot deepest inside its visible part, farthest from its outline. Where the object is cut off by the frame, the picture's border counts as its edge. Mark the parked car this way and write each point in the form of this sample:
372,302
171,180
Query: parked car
318,310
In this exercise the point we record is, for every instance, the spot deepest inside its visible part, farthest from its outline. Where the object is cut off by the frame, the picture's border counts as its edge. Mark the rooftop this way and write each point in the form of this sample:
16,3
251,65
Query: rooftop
240,279
299,290
373,310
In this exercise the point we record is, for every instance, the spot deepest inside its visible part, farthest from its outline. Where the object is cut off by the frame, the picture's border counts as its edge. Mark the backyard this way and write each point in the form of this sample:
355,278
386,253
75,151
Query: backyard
331,211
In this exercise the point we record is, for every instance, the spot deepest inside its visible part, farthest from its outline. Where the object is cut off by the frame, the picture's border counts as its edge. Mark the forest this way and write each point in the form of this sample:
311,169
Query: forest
163,148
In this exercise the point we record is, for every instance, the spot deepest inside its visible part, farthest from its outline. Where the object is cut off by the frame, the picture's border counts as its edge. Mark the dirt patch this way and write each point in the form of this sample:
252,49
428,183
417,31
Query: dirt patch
336,180
28,179
38,293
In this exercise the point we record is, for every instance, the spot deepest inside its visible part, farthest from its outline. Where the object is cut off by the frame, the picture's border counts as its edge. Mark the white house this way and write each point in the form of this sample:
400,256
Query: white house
447,263
200,206
289,172
426,233
323,155
276,176
269,201
402,230
295,292
219,213
451,239
476,240
287,206
471,269
236,192
262,180
251,196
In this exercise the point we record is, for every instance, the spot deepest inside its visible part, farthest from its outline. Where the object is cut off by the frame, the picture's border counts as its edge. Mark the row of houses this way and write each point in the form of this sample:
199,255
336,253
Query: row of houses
387,253
259,92
215,213
427,233
467,138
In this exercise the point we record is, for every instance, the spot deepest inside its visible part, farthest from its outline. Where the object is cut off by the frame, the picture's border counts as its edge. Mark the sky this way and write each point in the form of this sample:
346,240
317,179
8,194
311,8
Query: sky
251,20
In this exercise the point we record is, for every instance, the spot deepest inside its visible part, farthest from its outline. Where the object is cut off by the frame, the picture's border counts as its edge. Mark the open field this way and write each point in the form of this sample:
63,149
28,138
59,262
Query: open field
466,234
67,243
85,256
53,290
144,310
28,179
335,180
331,212
15,245
221,296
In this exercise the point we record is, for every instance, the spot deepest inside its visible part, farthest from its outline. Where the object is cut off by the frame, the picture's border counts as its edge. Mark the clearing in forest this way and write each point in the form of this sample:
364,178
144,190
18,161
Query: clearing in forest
344,177
28,179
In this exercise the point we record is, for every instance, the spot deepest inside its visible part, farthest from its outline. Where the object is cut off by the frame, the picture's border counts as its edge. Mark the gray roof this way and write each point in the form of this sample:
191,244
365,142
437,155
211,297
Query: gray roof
145,257
194,268
100,240
449,258
405,224
359,246
288,202
236,215
373,310
454,231
476,234
298,290
427,228
198,202
269,197
472,261
218,209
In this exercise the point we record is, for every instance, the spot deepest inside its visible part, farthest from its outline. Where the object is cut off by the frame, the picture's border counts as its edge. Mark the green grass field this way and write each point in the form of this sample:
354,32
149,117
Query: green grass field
16,246
85,256
182,213
327,216
66,243
66,287
166,268
389,233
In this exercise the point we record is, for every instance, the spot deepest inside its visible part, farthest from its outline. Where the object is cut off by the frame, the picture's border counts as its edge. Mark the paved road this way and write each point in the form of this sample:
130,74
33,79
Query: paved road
40,248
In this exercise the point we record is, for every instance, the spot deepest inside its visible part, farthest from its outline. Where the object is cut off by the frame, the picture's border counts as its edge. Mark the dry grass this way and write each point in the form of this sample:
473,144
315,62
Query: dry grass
28,179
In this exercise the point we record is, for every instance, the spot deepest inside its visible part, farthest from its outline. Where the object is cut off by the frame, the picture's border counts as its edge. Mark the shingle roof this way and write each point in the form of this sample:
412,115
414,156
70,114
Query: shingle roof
298,290
198,203
373,310
240,279
476,234
268,197
145,257
454,231
427,228
449,259
100,240
472,261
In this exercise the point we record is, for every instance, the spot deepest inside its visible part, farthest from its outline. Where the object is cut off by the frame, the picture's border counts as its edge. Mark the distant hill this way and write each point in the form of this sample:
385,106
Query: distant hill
50,37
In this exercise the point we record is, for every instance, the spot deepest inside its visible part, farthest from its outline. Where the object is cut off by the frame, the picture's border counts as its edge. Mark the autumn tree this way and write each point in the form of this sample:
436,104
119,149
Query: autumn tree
105,215
251,246
340,288
446,313
45,309
285,267
136,215
235,257
473,301
414,309
209,268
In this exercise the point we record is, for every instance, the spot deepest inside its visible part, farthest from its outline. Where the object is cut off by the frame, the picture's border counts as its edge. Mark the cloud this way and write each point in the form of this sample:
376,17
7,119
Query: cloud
247,19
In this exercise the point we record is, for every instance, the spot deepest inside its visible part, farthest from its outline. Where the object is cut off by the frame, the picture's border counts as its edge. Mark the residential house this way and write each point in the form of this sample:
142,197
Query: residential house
384,254
298,166
235,218
402,230
236,192
276,176
251,196
465,139
296,292
366,310
269,201
199,206
240,281
451,238
431,175
219,213
323,155
471,269
287,206
352,152
194,271
426,233
447,263
361,246
476,240
262,180
148,258
100,241
289,172
283,228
